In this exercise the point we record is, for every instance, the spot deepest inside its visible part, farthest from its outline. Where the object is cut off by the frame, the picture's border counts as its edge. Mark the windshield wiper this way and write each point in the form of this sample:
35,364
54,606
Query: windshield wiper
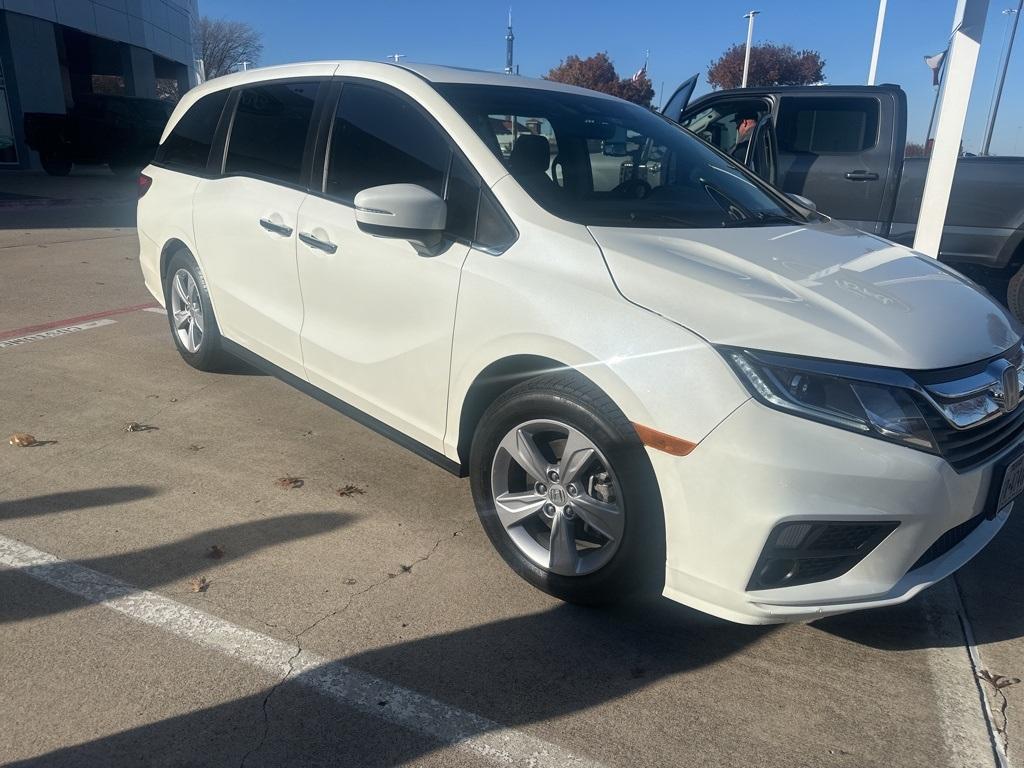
762,220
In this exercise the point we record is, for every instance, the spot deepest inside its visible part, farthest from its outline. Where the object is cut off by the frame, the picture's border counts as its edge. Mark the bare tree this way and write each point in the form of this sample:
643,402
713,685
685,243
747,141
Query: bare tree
224,44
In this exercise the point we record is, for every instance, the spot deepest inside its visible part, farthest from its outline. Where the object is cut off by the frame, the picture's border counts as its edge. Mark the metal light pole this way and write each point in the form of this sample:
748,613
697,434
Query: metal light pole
750,36
965,42
998,94
878,41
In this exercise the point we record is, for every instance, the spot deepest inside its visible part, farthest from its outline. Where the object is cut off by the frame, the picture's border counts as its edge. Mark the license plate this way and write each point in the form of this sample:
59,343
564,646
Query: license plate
1013,483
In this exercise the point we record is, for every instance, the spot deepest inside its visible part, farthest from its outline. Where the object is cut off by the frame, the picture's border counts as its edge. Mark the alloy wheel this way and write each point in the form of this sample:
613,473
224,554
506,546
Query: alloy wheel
557,497
187,311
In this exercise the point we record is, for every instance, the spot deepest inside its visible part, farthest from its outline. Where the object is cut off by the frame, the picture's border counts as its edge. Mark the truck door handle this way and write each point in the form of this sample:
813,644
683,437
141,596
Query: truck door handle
280,229
315,242
862,176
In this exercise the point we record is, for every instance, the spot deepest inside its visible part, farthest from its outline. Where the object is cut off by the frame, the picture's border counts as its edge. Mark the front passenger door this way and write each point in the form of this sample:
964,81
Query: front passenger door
379,315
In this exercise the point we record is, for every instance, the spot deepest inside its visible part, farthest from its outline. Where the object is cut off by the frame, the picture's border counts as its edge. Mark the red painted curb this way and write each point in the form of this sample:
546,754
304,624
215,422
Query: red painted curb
30,329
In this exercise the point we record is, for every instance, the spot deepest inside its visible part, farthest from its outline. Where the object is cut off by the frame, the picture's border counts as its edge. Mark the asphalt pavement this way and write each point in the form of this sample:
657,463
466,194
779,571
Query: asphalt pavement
249,578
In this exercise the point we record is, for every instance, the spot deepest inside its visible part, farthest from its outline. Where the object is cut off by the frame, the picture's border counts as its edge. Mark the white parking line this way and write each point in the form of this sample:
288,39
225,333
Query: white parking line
156,310
53,332
359,690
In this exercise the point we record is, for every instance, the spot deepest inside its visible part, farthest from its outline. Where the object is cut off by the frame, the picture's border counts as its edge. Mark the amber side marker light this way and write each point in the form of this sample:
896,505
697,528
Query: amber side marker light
652,438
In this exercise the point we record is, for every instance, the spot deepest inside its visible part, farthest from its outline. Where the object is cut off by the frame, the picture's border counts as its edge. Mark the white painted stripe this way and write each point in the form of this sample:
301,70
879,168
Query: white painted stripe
361,691
54,332
156,310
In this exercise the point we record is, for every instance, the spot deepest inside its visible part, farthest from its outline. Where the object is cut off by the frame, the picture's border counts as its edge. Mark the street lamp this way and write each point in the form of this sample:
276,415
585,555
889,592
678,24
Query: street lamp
1011,31
749,16
878,42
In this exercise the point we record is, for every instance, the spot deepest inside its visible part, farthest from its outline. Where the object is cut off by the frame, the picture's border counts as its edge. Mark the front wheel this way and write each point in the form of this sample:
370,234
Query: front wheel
566,492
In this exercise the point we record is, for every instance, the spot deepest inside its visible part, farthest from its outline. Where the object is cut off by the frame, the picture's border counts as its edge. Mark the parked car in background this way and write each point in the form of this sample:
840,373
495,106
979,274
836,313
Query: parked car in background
119,131
687,380
843,148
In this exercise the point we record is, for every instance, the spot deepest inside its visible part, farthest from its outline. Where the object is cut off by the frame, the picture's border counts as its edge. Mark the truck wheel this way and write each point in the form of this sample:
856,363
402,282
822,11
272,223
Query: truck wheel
55,164
566,491
1015,295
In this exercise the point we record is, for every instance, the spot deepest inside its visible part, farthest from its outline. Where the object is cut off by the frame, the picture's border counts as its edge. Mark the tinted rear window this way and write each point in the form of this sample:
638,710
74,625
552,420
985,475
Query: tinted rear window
268,134
823,126
187,148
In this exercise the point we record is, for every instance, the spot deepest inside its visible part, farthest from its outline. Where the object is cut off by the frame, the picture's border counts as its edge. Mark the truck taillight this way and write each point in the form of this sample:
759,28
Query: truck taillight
145,182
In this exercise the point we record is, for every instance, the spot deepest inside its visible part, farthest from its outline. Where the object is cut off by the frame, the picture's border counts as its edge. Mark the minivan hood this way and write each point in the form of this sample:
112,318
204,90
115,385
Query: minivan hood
820,290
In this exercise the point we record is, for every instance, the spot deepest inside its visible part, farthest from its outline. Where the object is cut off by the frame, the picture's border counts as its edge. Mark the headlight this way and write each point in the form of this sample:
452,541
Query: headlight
834,394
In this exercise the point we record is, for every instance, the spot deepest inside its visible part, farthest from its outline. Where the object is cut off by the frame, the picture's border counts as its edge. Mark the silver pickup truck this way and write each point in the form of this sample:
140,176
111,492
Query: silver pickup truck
843,148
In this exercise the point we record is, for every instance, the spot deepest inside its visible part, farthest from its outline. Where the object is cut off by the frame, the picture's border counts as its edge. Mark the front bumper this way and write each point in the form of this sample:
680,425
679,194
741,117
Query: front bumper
760,468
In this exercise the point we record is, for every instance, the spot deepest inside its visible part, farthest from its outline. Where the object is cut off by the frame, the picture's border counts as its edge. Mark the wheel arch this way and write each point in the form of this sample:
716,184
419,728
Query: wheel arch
501,375
170,248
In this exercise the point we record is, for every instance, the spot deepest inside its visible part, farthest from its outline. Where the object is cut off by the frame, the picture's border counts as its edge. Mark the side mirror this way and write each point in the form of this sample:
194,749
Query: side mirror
802,201
403,211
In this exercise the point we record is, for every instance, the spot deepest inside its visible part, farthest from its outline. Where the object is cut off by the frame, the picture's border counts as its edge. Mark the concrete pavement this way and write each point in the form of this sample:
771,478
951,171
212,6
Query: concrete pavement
392,578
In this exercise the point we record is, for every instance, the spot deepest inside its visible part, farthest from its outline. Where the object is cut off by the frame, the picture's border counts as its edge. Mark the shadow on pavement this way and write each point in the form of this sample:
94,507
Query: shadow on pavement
54,503
154,566
515,672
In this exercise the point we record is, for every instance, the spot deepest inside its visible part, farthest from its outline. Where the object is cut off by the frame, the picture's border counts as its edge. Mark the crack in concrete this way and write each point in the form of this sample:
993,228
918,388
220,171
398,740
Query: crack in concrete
999,683
297,637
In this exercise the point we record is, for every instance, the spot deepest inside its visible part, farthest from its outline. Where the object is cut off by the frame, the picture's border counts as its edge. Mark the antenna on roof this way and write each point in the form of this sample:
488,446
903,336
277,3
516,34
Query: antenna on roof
509,39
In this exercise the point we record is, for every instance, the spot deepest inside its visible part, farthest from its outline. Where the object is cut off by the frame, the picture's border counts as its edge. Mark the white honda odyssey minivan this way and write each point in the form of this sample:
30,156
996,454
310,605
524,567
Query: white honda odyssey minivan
654,368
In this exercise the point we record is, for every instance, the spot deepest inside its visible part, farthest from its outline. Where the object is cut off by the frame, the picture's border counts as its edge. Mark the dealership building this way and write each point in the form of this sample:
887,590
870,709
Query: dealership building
53,51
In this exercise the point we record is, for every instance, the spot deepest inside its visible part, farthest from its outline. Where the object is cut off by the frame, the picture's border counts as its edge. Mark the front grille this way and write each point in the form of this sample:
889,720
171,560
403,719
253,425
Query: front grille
967,448
948,540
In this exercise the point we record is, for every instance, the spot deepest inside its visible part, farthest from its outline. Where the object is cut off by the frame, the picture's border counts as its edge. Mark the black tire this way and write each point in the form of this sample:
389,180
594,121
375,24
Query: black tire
210,355
639,562
1015,295
126,168
55,164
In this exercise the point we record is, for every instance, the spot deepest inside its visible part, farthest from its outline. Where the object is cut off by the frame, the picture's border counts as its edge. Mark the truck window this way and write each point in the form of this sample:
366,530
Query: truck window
727,125
823,126
268,134
187,148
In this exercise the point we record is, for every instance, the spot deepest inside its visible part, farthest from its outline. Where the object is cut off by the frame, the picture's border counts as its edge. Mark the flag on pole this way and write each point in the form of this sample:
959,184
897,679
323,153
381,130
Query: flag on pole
935,65
640,72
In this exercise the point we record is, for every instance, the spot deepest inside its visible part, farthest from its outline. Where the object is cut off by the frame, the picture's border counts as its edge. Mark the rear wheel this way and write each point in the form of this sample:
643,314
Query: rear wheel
190,313
566,492
55,164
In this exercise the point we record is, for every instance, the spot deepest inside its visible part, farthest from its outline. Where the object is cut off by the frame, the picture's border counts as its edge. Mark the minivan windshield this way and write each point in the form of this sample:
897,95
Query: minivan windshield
604,162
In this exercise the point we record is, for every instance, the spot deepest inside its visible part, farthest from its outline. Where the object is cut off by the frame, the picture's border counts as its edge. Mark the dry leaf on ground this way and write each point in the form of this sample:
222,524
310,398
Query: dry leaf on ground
199,584
21,440
134,426
289,483
215,552
350,490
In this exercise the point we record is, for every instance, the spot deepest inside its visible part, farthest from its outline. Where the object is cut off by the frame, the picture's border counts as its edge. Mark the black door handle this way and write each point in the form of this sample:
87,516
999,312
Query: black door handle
280,229
862,176
315,242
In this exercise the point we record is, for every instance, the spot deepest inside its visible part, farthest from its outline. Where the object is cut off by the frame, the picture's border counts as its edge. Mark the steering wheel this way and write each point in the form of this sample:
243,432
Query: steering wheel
633,189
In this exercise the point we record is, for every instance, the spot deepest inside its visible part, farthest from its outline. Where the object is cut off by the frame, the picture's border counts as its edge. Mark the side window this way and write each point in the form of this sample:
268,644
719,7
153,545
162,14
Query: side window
462,196
727,125
823,126
379,138
268,133
494,230
187,147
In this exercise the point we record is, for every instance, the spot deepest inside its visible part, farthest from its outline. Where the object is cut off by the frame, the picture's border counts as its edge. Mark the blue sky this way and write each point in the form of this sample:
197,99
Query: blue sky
683,37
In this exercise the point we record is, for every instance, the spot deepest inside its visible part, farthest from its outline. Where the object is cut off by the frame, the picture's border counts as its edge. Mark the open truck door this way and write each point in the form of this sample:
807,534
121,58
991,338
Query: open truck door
840,146
680,97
